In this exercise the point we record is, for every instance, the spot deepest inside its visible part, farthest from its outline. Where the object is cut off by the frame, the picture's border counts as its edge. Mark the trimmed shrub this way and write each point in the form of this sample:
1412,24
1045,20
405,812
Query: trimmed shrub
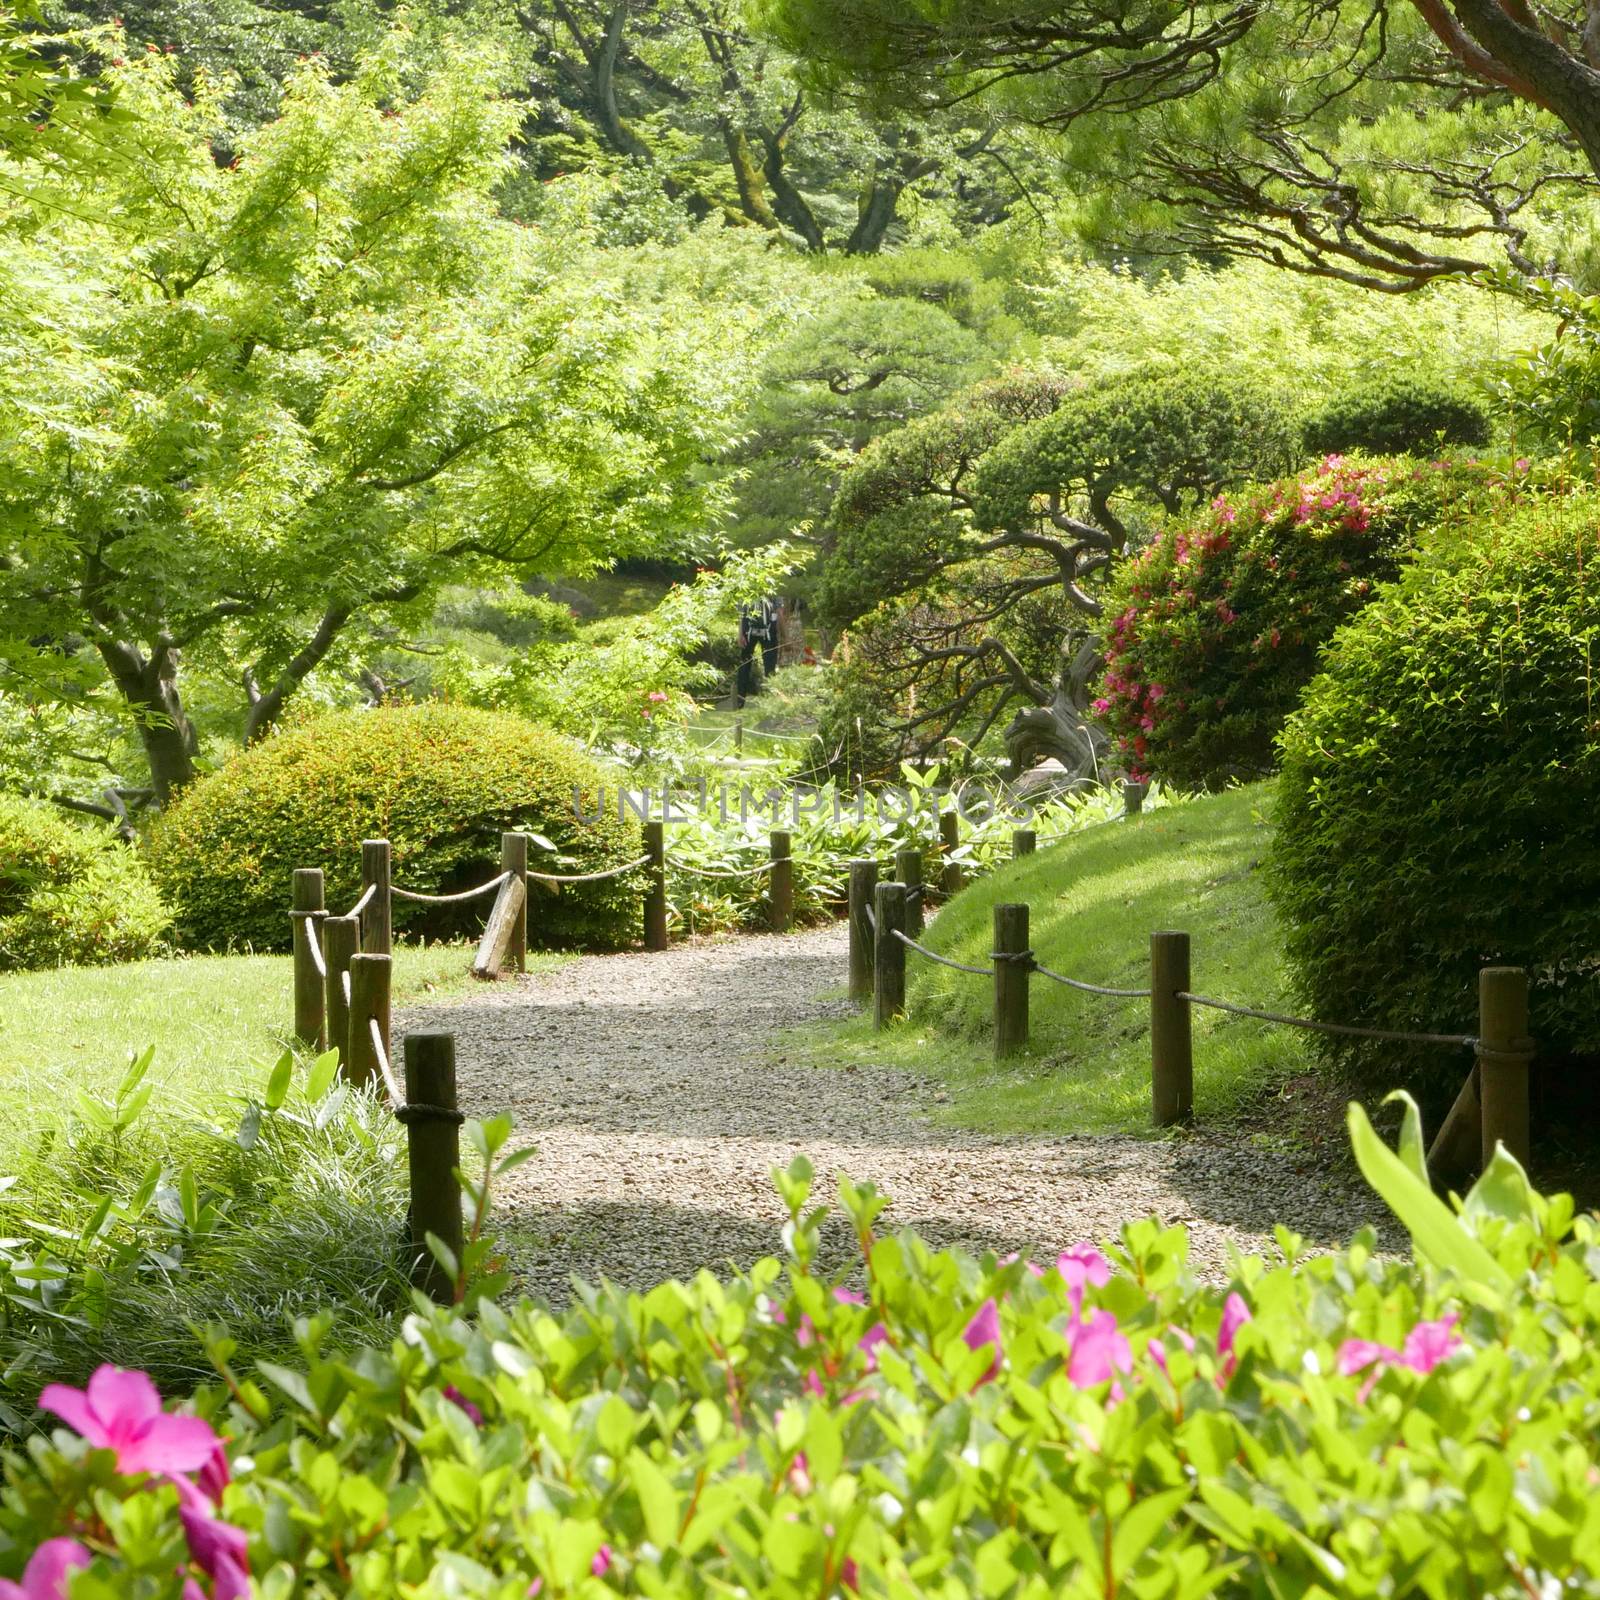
1216,628
1398,415
1438,793
70,895
440,782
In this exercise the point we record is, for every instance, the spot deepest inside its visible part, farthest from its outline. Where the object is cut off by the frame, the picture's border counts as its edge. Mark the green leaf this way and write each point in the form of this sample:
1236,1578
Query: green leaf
278,1081
657,1501
319,1079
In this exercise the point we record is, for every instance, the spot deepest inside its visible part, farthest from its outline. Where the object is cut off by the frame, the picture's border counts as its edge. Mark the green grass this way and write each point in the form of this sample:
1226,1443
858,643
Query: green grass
1095,898
210,1018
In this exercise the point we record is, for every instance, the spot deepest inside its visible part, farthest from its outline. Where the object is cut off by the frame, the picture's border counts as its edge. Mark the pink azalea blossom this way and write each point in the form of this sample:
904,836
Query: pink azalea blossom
1082,1264
45,1577
1158,1351
1098,1351
1428,1344
456,1398
214,1476
121,1411
982,1332
869,1342
800,1473
217,1548
812,1385
601,1564
1235,1313
850,1573
849,1297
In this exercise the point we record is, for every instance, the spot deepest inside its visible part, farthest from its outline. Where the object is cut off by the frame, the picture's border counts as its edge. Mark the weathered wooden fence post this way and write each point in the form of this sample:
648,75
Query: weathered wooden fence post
949,840
377,925
863,881
1133,797
307,946
1024,841
780,890
1013,961
888,954
514,859
434,1151
908,869
738,736
1171,1038
1505,1053
369,1002
341,939
655,892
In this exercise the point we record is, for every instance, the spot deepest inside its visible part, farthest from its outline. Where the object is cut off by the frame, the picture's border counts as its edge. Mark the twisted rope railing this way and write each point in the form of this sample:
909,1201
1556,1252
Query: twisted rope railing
713,872
449,899
590,877
933,955
365,900
1344,1029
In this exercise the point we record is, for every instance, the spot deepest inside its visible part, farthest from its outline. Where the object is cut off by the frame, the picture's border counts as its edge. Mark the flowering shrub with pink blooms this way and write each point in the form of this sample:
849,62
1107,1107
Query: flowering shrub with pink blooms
1093,1423
1213,632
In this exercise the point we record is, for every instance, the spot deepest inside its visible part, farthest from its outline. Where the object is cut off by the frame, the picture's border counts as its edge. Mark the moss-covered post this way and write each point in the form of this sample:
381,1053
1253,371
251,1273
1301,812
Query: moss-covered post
341,939
514,859
1505,1053
1133,797
888,955
949,841
377,935
1013,961
307,945
655,892
434,1156
780,888
908,869
1024,841
1171,1040
863,881
369,1002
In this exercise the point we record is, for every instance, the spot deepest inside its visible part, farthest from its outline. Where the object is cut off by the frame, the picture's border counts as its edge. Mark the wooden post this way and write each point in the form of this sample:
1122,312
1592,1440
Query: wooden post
738,736
433,1127
514,859
377,925
655,894
1133,797
1458,1144
1024,841
1171,1038
494,948
1011,979
863,881
888,955
949,838
780,891
369,998
341,939
908,869
1505,1053
308,915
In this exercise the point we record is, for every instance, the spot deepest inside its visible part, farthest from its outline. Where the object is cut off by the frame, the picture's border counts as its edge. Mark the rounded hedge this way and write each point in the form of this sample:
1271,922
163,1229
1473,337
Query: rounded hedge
70,895
1217,627
1438,794
1398,415
440,782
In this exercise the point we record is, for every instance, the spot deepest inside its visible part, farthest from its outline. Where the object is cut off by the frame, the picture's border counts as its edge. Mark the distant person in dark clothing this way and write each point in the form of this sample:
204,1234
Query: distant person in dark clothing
758,628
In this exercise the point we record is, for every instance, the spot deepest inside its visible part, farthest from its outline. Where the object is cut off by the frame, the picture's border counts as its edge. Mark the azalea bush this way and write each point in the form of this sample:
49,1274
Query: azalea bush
907,1422
1217,627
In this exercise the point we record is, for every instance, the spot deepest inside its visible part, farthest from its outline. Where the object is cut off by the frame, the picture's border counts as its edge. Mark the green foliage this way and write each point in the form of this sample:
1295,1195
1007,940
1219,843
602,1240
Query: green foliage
934,1424
440,782
1550,390
1435,794
1397,414
69,894
1218,626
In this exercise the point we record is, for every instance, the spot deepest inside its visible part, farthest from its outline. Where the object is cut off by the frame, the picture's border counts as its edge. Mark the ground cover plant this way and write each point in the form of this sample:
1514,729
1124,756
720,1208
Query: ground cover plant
1093,1426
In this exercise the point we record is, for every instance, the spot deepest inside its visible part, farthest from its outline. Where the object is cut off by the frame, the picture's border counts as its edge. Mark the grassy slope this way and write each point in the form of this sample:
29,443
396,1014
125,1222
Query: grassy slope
1094,899
210,1018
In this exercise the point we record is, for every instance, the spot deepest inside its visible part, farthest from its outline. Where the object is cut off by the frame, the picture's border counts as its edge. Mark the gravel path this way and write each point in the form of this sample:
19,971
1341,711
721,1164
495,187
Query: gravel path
659,1094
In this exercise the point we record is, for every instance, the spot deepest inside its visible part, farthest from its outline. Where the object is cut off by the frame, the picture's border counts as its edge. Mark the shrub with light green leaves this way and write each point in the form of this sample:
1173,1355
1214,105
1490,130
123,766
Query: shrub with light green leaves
927,1425
70,895
441,782
1398,414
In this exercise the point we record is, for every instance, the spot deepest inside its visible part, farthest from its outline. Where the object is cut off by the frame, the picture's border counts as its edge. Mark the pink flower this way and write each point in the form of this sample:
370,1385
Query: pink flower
601,1564
456,1398
214,1476
1081,1264
1099,1350
800,1473
849,1297
217,1548
1235,1313
1428,1344
850,1573
812,1385
1158,1351
869,1342
45,1577
657,695
983,1332
121,1411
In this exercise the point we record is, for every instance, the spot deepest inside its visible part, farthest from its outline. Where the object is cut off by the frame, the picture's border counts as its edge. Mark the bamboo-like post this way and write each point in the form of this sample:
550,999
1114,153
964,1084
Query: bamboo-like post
434,1156
377,921
1133,797
307,944
1012,964
514,859
738,736
780,890
888,955
341,939
949,839
908,869
655,894
863,881
1171,1036
1505,1053
369,1000
1024,841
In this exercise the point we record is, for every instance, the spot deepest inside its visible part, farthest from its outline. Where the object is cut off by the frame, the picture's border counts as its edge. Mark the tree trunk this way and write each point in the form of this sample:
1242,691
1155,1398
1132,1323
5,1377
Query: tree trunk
747,177
149,685
787,200
877,212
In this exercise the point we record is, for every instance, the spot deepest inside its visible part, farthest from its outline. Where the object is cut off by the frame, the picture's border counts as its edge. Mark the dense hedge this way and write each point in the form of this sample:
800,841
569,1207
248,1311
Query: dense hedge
440,782
1436,808
69,894
1398,414
1216,628
1095,1426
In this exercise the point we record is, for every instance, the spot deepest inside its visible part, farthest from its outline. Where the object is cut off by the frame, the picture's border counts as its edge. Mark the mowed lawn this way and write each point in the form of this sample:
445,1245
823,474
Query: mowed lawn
217,1023
1094,899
